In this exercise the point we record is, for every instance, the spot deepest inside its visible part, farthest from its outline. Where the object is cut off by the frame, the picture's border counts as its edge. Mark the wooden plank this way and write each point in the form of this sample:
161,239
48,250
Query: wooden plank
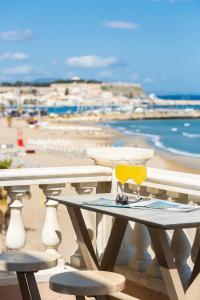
167,265
83,238
154,218
114,244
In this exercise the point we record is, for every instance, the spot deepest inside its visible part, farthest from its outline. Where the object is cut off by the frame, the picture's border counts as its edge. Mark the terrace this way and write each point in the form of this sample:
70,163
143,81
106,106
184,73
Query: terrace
53,232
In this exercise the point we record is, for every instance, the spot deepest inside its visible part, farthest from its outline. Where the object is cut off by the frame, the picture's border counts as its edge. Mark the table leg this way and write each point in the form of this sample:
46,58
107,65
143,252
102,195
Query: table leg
193,290
167,265
33,286
112,248
114,244
23,285
83,238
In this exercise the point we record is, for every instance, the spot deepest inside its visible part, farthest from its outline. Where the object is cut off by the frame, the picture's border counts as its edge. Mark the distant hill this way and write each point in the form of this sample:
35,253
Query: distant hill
45,82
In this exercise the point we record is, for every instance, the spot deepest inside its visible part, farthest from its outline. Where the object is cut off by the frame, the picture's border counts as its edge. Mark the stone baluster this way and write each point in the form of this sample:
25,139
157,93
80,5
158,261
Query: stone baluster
157,193
103,222
84,188
153,269
16,235
141,260
181,249
51,234
141,241
104,225
194,233
103,229
126,251
180,243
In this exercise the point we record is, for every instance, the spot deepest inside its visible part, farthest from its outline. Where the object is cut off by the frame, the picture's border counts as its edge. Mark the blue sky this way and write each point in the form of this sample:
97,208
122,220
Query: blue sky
154,42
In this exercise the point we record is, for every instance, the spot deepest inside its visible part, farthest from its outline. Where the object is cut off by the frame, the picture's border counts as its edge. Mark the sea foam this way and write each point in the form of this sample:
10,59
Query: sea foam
156,141
191,135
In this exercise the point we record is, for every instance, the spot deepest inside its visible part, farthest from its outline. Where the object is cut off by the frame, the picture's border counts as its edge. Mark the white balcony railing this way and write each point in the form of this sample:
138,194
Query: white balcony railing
136,257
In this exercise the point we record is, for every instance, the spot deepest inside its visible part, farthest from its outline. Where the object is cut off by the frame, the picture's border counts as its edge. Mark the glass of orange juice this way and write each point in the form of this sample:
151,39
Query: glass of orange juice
138,173
121,173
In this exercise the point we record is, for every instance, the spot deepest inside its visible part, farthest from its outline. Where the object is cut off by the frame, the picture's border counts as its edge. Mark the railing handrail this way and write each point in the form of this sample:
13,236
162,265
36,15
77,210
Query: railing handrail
178,179
50,175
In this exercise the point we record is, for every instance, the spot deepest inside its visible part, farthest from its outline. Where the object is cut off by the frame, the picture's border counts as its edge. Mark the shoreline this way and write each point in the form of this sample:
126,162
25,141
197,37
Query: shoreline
80,139
162,159
152,115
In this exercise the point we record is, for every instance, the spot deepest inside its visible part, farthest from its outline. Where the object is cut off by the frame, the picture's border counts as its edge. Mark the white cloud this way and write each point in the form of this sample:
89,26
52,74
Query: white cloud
120,25
16,35
91,61
149,80
21,70
13,56
106,74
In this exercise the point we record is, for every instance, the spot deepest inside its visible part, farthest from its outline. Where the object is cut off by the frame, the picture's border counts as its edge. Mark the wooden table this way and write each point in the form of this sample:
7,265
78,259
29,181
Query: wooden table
157,222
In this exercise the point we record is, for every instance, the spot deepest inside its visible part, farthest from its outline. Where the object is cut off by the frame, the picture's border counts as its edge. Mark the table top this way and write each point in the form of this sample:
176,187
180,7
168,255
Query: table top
151,217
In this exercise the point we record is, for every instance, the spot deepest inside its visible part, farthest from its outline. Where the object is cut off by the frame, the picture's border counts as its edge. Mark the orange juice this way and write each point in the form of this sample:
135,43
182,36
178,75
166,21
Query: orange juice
138,173
121,173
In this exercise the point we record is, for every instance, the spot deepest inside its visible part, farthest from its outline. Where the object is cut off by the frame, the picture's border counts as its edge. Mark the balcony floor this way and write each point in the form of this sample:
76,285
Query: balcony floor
12,292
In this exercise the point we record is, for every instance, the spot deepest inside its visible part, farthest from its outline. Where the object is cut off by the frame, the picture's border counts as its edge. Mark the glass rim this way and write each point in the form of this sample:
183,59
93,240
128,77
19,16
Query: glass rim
131,162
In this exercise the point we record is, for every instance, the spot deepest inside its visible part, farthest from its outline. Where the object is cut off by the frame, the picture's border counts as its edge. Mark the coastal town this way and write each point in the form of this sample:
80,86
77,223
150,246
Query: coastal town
93,100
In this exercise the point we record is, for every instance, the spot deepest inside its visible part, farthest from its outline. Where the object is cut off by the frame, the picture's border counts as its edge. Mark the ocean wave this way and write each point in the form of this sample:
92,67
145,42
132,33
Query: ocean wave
174,129
187,124
180,152
108,125
191,135
128,132
120,128
156,140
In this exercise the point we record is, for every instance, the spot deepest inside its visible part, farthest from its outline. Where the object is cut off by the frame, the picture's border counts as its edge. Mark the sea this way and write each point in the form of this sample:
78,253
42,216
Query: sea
179,96
178,136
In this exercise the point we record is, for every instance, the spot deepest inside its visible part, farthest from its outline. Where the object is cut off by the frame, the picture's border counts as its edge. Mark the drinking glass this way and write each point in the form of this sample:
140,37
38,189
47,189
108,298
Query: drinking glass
121,173
137,171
